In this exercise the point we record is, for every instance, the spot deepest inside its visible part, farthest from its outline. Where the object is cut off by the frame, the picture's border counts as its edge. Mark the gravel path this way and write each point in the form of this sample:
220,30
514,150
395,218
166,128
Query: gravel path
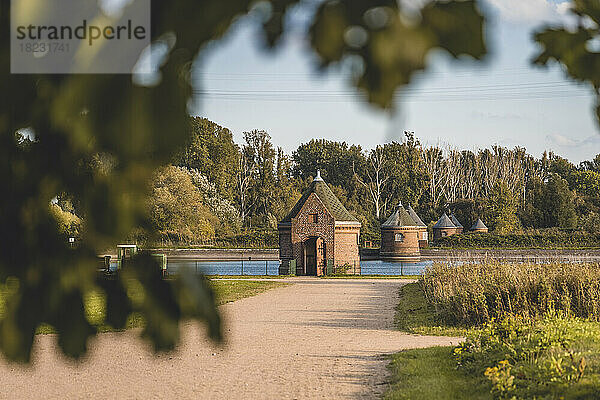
318,338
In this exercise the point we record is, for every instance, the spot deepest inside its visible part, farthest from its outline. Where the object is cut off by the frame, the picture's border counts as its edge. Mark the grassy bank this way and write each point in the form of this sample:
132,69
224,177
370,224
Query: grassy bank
425,374
537,350
226,291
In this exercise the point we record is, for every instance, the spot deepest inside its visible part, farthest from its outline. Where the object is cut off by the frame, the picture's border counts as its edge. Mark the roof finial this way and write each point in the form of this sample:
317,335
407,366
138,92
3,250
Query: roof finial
318,177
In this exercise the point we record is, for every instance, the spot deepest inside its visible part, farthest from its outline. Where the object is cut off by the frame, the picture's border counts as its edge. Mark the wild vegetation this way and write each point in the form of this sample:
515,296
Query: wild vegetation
476,293
531,331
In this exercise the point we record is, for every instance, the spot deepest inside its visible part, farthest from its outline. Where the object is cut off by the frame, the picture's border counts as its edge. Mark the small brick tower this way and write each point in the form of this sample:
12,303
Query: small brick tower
400,237
456,222
479,227
319,234
444,227
423,234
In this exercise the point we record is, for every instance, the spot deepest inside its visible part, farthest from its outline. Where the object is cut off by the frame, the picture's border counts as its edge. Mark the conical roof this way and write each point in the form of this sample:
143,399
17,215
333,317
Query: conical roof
399,218
455,221
478,225
329,200
414,216
444,222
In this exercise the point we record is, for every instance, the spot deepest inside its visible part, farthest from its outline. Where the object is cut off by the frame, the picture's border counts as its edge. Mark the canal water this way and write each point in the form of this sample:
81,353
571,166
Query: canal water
372,267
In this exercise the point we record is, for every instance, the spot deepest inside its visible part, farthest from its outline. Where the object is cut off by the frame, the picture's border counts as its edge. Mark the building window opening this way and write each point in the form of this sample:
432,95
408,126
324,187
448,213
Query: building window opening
399,237
314,218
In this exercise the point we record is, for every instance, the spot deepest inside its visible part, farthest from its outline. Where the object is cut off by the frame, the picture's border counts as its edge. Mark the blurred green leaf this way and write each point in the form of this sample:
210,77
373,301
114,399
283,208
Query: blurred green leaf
98,139
573,47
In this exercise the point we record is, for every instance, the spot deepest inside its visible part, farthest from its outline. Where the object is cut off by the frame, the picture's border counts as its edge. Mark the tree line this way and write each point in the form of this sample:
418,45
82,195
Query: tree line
215,188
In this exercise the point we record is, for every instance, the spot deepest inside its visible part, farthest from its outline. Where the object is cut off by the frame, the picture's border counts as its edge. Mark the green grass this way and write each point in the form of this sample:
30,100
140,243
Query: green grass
226,292
414,315
429,374
232,290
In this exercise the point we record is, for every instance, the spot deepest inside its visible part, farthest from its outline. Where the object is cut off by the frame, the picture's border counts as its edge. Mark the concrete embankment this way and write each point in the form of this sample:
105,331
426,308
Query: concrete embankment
221,254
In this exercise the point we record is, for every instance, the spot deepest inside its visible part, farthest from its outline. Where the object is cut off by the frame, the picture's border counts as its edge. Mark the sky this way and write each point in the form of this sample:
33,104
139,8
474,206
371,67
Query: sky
460,103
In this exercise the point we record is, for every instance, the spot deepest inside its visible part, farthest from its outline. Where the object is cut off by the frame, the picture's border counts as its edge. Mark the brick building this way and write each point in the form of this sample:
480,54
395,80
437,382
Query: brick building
479,227
318,234
400,237
444,227
423,234
456,222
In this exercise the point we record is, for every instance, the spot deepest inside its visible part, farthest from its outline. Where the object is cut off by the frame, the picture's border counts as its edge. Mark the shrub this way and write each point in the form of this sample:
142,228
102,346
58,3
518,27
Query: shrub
472,294
543,360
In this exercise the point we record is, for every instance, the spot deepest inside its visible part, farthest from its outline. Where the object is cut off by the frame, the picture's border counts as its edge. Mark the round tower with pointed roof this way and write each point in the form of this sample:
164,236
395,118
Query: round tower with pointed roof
319,235
444,227
479,227
400,237
459,227
423,233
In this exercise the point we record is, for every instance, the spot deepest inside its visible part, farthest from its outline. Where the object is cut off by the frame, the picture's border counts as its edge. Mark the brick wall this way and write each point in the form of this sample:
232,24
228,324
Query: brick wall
285,242
441,232
408,248
423,237
346,247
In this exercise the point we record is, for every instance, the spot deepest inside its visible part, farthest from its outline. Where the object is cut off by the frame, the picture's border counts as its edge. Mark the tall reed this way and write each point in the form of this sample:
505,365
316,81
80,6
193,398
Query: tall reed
474,293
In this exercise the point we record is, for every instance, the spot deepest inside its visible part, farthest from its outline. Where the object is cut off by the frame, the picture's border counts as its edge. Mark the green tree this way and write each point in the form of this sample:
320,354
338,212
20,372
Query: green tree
259,151
558,204
532,211
334,159
586,182
502,208
406,170
69,224
591,165
286,193
211,151
177,209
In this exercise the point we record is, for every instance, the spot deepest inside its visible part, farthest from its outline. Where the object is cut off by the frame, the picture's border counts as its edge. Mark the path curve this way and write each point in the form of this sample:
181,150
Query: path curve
318,338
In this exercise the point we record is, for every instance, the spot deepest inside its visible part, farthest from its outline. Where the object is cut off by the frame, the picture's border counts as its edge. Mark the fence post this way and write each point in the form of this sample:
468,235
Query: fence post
266,267
401,268
242,266
196,262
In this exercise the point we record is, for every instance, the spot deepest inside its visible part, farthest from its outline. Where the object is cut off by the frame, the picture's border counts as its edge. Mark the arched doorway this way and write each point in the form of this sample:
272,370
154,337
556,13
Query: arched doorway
314,256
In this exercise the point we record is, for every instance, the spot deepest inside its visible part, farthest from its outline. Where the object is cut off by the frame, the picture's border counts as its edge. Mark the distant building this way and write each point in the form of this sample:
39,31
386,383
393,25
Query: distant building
400,237
423,234
456,222
479,227
444,227
318,233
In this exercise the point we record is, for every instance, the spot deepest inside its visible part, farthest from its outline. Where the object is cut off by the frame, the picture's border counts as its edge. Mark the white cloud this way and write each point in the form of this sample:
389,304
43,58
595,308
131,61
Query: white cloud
531,11
574,149
561,140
